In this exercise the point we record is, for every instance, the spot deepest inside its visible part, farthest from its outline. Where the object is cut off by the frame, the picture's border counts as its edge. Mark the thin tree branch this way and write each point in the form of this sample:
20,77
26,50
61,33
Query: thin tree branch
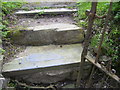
103,33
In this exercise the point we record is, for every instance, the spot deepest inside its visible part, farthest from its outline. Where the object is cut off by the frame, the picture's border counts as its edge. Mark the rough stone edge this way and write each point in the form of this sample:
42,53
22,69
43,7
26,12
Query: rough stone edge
45,12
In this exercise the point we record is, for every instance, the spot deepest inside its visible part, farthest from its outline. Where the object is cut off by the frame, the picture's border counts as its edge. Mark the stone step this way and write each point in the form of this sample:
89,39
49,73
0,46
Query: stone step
49,4
47,11
59,33
46,64
42,57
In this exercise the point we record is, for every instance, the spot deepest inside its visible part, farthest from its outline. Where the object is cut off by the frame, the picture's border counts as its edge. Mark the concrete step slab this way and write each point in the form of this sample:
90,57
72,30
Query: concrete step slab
50,4
59,33
41,58
47,11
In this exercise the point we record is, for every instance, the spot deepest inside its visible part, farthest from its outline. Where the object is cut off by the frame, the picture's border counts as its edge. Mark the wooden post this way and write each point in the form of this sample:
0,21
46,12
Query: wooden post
99,47
87,40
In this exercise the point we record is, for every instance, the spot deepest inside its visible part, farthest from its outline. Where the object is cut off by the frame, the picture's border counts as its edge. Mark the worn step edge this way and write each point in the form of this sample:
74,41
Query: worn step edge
47,11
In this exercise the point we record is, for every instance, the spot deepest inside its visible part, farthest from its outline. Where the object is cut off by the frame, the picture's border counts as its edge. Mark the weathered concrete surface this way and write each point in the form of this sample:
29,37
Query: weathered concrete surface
54,75
46,64
59,4
30,21
49,34
48,11
44,56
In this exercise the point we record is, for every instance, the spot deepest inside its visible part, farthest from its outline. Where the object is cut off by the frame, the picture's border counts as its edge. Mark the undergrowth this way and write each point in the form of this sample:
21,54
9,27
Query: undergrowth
7,17
111,43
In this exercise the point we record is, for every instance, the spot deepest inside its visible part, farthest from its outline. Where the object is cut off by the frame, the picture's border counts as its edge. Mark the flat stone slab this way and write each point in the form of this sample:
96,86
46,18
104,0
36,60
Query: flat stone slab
41,57
58,4
56,27
59,33
48,11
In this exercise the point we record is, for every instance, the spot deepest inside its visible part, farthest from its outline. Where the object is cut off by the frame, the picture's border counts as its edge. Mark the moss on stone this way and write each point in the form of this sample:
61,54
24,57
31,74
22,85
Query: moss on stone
15,34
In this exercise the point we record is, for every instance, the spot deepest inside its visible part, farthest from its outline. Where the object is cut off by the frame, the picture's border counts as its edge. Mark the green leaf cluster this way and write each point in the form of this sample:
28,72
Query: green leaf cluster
9,7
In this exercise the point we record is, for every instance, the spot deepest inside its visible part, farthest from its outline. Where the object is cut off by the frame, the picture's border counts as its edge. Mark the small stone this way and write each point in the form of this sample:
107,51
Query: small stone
113,71
75,15
38,22
105,87
61,46
102,63
82,21
19,62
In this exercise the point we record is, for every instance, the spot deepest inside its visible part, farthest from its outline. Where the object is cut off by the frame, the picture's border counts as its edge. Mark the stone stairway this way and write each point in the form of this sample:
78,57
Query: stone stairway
52,51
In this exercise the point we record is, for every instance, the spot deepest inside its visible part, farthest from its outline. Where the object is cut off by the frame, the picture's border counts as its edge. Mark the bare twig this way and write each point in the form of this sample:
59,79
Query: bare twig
103,33
96,16
35,87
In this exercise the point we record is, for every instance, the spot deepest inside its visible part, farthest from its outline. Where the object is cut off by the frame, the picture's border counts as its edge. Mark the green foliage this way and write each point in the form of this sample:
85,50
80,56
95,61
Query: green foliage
111,43
3,34
39,8
41,12
1,51
116,12
9,7
83,6
95,40
2,26
12,84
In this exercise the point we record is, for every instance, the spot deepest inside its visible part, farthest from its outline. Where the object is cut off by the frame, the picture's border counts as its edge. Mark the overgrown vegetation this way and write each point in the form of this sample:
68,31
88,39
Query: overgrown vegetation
111,44
7,17
7,12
